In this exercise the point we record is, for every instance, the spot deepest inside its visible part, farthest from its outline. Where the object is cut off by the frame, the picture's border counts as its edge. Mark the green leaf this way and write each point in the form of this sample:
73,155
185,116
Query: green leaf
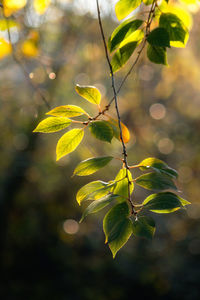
117,227
52,124
159,37
122,32
144,227
98,205
158,166
124,7
157,55
67,111
101,130
91,165
93,191
164,202
178,33
155,181
121,187
90,93
122,55
69,142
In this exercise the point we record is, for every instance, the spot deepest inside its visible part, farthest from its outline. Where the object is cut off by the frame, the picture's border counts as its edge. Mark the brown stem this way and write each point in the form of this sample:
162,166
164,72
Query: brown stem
116,107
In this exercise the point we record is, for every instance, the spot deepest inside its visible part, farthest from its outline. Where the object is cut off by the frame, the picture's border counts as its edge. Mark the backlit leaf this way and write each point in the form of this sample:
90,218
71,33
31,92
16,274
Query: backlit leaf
121,187
91,165
125,132
67,111
144,227
90,93
166,202
155,181
52,124
124,7
157,55
12,6
93,191
97,205
41,6
117,227
122,55
158,166
5,48
101,130
69,142
176,29
122,32
159,37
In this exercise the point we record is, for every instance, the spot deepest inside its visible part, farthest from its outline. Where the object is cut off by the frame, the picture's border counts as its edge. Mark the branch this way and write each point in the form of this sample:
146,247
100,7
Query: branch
22,67
116,107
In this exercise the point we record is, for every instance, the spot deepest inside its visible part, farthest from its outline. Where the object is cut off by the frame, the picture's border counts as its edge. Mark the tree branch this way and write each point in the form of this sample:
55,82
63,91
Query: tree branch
116,107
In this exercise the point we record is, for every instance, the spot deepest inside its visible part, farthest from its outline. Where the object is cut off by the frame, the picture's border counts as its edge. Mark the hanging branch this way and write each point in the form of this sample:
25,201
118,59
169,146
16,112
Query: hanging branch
116,107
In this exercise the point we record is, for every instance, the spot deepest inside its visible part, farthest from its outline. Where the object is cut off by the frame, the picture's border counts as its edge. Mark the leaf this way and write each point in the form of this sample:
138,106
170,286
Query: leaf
122,55
101,130
136,36
144,227
93,191
67,111
158,166
98,205
121,187
122,32
41,6
69,142
166,202
176,29
157,55
5,48
117,227
125,132
91,165
124,7
52,124
155,181
90,93
148,2
12,6
159,37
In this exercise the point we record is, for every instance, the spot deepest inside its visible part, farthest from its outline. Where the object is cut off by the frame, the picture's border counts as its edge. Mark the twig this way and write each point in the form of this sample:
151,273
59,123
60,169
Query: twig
117,108
22,67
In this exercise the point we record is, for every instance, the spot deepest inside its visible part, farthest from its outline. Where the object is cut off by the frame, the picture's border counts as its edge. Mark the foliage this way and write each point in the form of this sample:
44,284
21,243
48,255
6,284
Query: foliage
161,30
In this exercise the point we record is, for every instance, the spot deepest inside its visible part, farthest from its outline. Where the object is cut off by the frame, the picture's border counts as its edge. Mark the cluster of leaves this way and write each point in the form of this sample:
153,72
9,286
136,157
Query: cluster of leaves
169,30
124,218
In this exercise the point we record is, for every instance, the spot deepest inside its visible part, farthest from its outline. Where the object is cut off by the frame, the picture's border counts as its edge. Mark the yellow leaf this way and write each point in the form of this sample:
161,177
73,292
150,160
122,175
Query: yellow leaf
125,131
11,6
5,48
41,6
30,49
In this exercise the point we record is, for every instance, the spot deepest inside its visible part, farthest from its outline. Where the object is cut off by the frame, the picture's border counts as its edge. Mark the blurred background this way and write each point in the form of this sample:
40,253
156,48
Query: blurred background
45,252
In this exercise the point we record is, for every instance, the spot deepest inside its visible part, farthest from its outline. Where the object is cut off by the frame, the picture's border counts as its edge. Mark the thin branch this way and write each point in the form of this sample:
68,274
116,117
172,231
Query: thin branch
22,67
116,107
149,21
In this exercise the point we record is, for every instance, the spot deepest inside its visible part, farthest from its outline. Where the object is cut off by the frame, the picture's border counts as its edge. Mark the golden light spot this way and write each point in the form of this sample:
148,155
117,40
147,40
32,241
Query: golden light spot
165,146
52,76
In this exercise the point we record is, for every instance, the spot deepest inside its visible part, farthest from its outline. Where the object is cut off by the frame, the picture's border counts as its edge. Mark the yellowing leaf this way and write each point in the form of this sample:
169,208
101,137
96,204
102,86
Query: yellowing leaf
5,48
11,6
41,6
125,131
52,124
90,93
69,142
67,111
